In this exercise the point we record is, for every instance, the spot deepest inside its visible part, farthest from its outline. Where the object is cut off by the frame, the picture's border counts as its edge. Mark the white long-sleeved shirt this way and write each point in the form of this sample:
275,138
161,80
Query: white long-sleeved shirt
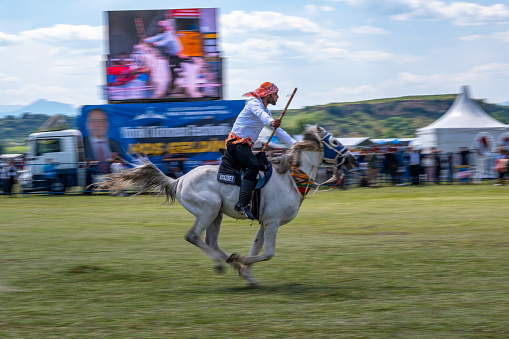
251,120
169,40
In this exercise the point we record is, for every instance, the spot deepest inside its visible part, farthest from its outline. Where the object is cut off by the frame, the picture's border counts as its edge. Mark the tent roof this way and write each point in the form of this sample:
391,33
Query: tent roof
355,142
465,113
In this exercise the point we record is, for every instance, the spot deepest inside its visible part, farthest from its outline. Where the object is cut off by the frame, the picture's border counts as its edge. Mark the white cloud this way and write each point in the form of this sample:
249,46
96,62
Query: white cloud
458,12
268,40
8,79
315,9
367,29
471,37
483,72
65,32
9,38
60,63
239,22
320,50
502,36
344,93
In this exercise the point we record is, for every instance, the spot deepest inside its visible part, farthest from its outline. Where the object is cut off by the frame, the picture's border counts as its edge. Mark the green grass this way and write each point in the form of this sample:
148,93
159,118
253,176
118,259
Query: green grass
15,149
392,262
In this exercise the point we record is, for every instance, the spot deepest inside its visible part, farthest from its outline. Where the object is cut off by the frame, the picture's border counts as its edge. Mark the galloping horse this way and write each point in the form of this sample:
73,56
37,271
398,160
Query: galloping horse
208,200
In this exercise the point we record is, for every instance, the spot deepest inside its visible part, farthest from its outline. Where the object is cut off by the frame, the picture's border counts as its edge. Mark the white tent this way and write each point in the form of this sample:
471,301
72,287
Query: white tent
459,126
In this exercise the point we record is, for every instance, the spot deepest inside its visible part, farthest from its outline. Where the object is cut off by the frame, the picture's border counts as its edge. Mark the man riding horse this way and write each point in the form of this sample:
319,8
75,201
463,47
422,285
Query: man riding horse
246,131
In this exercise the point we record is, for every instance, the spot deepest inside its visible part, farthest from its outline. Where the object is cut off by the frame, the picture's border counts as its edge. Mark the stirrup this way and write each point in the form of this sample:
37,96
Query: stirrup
245,210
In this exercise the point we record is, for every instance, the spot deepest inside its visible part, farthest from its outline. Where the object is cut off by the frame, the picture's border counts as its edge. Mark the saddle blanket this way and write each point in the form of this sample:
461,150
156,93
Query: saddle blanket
233,176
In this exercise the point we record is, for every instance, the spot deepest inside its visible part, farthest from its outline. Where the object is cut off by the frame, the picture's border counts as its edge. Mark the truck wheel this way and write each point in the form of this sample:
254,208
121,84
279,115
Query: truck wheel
58,188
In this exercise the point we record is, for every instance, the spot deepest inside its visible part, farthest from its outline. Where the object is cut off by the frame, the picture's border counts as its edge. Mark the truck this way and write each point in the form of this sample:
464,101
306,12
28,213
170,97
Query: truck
188,134
65,148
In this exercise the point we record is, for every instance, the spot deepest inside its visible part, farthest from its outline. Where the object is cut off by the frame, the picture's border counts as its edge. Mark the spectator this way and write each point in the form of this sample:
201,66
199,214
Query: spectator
435,154
450,166
414,165
464,155
372,163
9,175
391,165
175,171
429,164
402,158
501,165
117,166
50,174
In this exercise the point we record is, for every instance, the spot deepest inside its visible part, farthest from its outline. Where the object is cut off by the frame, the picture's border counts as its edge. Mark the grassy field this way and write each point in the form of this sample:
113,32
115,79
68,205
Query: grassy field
402,262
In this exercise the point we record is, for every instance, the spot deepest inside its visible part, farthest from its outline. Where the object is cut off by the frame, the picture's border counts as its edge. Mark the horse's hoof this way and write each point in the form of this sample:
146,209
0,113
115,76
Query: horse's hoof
219,268
253,285
233,258
237,266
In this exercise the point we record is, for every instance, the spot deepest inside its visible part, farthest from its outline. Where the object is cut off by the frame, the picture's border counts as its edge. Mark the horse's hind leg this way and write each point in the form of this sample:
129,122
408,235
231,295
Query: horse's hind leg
212,239
194,237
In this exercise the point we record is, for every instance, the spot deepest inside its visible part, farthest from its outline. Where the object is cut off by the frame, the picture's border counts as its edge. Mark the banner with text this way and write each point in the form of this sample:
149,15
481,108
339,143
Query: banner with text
190,133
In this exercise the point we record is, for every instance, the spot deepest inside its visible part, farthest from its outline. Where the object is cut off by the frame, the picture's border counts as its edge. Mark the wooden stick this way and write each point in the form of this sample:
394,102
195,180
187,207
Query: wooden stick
140,28
280,118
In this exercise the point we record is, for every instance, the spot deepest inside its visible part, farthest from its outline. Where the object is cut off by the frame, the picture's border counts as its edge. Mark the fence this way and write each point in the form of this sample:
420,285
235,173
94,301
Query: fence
78,178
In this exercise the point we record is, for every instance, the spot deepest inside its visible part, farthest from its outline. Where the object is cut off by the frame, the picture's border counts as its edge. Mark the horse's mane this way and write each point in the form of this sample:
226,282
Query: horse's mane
310,142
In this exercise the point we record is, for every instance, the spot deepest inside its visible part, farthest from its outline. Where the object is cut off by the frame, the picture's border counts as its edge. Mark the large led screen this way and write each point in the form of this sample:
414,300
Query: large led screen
163,55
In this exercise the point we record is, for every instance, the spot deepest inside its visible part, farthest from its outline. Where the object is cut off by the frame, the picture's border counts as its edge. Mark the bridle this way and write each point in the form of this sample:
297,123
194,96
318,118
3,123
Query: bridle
332,149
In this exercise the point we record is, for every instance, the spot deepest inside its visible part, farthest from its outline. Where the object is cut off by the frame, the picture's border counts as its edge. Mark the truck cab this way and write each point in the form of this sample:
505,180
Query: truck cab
65,149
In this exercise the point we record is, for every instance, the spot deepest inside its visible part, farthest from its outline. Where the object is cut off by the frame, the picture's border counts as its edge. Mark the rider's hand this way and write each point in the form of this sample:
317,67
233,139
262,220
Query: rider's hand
275,123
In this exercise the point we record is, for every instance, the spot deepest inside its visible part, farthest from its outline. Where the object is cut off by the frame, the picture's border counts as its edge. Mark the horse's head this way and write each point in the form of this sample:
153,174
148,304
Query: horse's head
333,151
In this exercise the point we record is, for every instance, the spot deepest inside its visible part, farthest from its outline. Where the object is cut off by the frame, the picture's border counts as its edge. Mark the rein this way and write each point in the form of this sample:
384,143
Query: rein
303,181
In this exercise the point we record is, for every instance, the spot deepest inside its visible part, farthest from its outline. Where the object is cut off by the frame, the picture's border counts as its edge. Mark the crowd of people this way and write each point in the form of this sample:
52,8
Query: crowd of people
408,165
378,166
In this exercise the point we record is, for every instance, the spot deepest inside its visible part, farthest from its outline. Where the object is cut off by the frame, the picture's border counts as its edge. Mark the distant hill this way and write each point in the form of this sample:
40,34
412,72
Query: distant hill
40,106
15,130
505,103
380,118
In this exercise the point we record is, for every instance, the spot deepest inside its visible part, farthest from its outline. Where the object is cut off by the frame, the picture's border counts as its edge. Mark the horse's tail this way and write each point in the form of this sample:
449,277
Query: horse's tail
146,177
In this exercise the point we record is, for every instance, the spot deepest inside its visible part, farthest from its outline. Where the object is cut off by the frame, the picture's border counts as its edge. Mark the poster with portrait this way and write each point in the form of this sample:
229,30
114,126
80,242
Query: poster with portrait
163,55
190,133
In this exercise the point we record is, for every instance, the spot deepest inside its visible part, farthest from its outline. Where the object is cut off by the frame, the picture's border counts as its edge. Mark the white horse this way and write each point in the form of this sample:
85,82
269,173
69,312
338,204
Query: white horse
158,67
208,200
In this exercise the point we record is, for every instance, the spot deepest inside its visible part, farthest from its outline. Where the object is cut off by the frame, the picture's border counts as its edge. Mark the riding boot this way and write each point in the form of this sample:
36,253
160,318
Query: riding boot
246,190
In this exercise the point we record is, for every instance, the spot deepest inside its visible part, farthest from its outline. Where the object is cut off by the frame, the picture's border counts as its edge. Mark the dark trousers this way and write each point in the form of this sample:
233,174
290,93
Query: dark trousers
8,184
49,182
415,171
174,63
243,154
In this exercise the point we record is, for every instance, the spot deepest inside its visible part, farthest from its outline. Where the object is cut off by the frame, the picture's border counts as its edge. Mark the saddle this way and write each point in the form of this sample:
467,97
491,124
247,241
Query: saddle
230,172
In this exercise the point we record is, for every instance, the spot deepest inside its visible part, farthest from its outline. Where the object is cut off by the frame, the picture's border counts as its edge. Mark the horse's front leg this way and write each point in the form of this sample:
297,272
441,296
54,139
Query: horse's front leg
245,271
269,239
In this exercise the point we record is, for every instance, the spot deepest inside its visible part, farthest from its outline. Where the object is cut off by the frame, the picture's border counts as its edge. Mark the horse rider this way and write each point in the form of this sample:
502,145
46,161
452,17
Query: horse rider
245,132
170,45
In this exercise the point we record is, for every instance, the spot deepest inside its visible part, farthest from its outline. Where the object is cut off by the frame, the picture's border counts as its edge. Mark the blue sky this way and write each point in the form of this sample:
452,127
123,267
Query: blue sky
332,50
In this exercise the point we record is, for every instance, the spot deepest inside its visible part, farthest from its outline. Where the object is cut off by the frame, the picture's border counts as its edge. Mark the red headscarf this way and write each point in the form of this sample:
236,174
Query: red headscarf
265,89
